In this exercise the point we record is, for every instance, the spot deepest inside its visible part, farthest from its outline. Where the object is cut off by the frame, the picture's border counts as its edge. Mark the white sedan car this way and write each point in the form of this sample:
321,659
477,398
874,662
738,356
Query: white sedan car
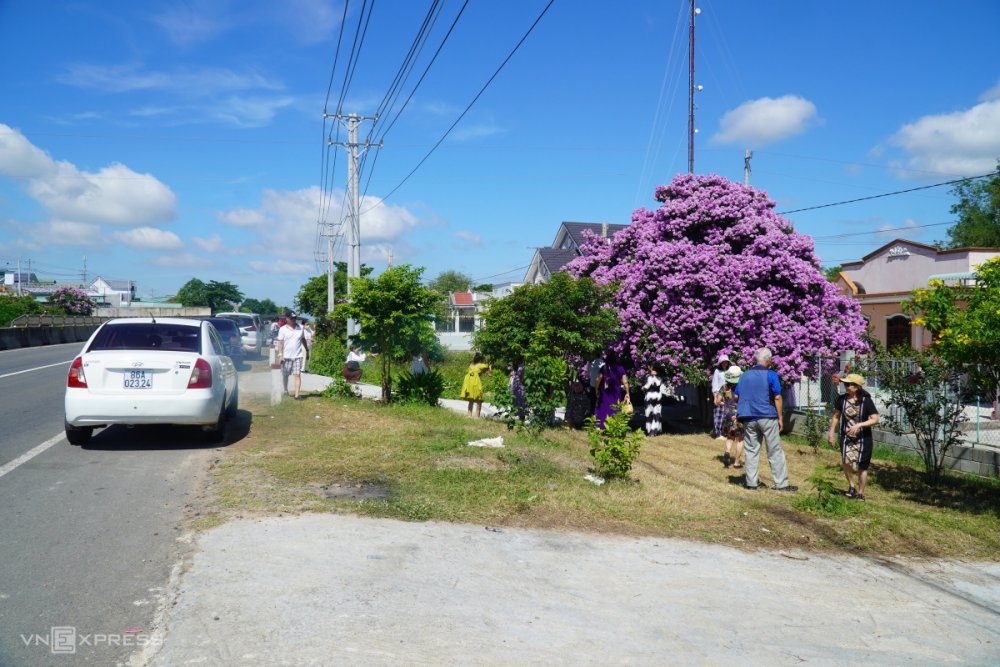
151,371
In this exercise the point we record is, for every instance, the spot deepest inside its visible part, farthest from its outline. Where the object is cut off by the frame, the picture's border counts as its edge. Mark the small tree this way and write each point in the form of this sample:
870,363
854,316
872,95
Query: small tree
12,307
925,400
546,329
978,211
394,312
218,296
73,301
965,321
615,447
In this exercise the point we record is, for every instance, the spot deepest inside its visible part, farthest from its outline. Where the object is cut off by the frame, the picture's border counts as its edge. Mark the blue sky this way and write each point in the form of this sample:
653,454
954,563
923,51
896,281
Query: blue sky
171,140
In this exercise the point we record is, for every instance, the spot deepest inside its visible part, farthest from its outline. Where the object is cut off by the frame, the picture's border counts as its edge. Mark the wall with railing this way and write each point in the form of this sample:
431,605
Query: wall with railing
37,330
979,450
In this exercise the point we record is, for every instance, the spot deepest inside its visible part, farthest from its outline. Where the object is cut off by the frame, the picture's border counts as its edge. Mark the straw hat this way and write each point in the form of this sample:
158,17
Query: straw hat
853,378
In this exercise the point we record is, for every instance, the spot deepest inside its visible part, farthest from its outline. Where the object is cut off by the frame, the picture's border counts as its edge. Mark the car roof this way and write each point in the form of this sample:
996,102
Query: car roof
154,320
242,314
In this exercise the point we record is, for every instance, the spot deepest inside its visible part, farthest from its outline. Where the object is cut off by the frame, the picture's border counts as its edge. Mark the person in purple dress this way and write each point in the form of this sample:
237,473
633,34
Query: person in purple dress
612,387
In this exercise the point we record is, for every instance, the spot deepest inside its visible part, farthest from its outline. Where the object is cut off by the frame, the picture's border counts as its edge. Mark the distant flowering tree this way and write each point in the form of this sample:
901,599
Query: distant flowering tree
715,270
73,301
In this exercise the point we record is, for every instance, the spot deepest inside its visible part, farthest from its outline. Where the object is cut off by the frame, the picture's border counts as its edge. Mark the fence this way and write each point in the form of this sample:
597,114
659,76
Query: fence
816,391
54,321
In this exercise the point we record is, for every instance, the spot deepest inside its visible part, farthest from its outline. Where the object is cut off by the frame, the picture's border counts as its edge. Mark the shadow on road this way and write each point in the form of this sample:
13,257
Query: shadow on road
124,438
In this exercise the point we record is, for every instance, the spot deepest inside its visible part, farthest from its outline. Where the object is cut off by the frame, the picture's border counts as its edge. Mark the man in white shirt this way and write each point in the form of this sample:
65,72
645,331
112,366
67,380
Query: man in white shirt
292,347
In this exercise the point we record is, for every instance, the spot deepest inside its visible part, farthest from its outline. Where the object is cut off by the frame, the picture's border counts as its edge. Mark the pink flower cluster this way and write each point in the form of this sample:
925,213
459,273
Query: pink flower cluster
714,270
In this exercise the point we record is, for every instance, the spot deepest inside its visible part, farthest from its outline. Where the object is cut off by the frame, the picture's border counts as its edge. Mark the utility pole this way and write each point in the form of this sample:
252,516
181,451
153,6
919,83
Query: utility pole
84,270
19,276
746,167
692,88
352,120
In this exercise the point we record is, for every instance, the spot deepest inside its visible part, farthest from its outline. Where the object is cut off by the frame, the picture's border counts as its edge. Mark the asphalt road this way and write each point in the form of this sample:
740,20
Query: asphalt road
88,536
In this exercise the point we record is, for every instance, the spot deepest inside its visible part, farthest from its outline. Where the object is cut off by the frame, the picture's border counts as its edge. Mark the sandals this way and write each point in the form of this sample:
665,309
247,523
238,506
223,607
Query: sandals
851,493
860,496
726,459
737,465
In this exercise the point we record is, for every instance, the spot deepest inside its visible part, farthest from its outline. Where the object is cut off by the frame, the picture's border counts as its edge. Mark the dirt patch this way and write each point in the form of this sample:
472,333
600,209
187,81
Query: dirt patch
354,491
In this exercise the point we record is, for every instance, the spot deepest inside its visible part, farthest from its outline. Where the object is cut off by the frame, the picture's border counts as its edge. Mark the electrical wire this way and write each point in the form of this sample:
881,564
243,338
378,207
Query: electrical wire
879,231
468,107
889,194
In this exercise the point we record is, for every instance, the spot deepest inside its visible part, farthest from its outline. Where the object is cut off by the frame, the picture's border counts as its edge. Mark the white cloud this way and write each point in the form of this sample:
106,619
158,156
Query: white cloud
286,225
470,237
765,121
65,232
242,217
114,195
190,83
282,266
212,244
311,21
187,24
991,94
19,158
181,260
892,230
476,131
250,111
149,238
962,142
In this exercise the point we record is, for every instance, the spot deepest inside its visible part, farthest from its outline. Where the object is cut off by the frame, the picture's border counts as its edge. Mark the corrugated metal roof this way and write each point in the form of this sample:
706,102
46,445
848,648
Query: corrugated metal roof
966,275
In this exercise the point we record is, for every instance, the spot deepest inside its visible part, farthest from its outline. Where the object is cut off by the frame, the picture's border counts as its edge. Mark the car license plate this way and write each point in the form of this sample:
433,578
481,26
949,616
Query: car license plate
138,380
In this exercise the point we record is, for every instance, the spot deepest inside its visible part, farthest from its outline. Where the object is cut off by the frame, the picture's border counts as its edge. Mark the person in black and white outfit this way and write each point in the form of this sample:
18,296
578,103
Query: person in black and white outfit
653,393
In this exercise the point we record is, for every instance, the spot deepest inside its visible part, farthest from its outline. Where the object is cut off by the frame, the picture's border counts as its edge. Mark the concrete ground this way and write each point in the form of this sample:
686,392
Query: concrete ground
331,589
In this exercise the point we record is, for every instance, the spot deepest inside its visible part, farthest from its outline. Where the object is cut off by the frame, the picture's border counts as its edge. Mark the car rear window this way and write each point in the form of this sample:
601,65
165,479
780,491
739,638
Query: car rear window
241,320
224,325
147,336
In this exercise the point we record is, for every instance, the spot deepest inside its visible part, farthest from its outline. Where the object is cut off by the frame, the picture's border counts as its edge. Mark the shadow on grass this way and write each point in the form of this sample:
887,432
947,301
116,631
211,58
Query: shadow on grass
964,493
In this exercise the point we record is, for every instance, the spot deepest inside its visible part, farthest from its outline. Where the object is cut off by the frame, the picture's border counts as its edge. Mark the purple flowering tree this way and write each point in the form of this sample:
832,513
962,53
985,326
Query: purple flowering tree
73,301
715,270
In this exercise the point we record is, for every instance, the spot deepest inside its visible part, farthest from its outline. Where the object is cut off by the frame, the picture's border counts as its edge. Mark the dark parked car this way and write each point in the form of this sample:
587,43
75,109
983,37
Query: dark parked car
231,338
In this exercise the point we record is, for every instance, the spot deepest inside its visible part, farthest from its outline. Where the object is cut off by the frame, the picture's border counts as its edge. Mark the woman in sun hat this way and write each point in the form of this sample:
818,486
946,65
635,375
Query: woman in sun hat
855,414
732,428
718,382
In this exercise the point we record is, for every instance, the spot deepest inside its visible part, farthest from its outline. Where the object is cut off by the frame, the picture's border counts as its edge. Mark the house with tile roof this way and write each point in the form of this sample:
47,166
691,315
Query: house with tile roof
570,237
886,277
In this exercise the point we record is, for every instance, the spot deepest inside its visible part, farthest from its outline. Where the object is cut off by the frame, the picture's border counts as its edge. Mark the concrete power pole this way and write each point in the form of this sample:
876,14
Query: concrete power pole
746,166
352,145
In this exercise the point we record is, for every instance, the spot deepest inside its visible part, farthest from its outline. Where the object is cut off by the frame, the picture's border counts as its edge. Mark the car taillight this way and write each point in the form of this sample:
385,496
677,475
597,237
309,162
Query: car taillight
76,377
201,376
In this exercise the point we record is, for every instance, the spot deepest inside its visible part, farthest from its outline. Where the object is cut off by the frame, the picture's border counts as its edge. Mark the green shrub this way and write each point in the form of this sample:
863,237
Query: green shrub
326,357
828,501
12,307
614,447
339,388
421,388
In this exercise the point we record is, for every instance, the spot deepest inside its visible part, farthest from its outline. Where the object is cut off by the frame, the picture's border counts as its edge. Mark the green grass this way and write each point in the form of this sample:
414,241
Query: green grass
417,459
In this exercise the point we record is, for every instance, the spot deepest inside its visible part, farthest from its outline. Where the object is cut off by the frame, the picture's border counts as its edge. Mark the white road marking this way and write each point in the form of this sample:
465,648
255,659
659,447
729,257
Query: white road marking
37,368
30,454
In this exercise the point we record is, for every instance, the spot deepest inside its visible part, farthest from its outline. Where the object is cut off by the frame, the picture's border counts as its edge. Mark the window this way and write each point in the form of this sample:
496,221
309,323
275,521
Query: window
147,336
897,331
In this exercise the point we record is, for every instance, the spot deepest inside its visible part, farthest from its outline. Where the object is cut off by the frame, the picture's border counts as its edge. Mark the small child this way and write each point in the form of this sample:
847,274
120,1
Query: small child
732,428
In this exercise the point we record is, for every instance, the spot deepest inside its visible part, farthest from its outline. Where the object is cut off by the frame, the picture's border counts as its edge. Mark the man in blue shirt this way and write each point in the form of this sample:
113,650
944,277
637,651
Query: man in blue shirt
759,408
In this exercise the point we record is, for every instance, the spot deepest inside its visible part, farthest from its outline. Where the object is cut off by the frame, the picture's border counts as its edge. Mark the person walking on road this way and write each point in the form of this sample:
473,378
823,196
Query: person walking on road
759,394
732,428
855,414
292,347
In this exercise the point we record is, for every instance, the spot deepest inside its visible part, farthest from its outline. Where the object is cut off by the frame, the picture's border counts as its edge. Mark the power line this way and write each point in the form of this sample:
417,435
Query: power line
495,275
848,235
467,108
889,194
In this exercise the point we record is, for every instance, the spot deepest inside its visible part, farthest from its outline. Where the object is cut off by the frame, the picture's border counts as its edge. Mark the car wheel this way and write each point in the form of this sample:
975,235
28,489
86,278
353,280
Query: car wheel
78,435
234,403
217,431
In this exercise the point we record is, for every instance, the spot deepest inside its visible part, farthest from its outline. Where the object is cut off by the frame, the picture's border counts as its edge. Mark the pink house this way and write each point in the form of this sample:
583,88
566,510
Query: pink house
884,278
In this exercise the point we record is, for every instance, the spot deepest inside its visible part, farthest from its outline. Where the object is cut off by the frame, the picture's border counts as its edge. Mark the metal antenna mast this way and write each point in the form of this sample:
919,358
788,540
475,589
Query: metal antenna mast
351,121
692,88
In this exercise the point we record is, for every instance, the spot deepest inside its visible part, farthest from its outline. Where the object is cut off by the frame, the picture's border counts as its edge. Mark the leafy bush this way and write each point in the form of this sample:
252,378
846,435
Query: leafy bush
326,357
828,501
614,447
12,307
421,388
339,388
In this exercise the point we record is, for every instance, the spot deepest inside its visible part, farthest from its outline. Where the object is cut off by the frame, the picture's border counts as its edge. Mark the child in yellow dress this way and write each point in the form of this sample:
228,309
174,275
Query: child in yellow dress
472,385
